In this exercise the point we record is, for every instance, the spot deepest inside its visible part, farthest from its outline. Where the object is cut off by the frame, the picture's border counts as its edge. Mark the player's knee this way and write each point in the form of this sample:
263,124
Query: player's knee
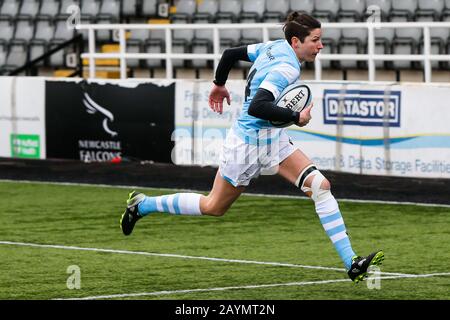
325,185
312,182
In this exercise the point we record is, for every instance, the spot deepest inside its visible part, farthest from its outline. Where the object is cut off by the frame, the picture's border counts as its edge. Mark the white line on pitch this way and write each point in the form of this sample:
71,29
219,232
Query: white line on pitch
169,255
166,292
246,194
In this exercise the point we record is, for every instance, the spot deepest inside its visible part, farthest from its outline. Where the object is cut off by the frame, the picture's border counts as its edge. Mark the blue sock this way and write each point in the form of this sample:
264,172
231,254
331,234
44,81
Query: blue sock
179,203
147,206
334,226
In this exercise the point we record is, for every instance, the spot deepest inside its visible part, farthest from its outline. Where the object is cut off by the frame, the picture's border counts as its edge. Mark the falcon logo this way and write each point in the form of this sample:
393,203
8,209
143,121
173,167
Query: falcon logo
92,107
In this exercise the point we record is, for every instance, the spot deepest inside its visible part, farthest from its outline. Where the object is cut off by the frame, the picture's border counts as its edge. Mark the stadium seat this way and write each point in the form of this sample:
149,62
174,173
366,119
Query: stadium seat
44,28
331,34
229,10
37,48
436,47
349,46
433,5
439,33
208,8
244,64
65,4
85,19
301,6
139,34
3,48
225,44
90,7
111,7
329,47
184,34
154,46
403,46
413,33
104,35
159,34
356,6
253,8
231,6
10,8
61,30
409,6
387,34
381,34
149,8
185,7
57,58
252,12
382,46
133,46
357,33
24,28
276,10
326,8
202,33
129,8
281,6
6,28
383,5
49,7
252,35
201,46
17,53
276,33
232,35
179,46
30,7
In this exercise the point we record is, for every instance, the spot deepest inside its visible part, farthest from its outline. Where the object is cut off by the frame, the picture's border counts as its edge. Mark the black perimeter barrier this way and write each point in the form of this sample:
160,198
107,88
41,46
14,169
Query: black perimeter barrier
162,175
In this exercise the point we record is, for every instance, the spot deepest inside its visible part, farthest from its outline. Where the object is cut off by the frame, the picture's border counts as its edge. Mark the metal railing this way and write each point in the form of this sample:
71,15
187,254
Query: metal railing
168,56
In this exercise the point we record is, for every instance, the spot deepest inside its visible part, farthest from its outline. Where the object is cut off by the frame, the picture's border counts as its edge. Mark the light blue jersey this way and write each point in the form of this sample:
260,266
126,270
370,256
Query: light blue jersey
275,66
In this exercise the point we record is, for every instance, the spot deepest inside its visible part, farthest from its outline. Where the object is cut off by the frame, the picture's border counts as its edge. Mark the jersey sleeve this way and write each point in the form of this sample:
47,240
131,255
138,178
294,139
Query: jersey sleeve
253,51
279,78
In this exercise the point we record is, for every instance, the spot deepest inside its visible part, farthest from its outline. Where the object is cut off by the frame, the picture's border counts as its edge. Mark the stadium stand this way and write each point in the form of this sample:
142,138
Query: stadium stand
31,27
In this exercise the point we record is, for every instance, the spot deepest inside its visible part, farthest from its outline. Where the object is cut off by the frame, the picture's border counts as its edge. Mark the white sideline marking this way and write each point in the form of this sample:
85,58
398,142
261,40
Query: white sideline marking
158,293
246,194
169,255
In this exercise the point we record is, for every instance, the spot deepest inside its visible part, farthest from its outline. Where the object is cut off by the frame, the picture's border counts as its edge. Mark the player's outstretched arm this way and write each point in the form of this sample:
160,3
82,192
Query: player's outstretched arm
219,92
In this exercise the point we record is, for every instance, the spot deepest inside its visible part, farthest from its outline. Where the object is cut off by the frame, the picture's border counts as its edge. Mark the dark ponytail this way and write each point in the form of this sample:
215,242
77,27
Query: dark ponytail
299,25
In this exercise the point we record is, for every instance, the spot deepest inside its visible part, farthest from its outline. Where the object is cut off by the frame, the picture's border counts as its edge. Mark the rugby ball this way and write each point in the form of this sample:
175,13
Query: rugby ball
296,97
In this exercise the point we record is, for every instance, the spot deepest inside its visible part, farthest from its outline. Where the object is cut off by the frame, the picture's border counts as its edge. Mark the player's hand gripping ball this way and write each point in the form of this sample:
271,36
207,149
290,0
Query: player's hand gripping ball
296,97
